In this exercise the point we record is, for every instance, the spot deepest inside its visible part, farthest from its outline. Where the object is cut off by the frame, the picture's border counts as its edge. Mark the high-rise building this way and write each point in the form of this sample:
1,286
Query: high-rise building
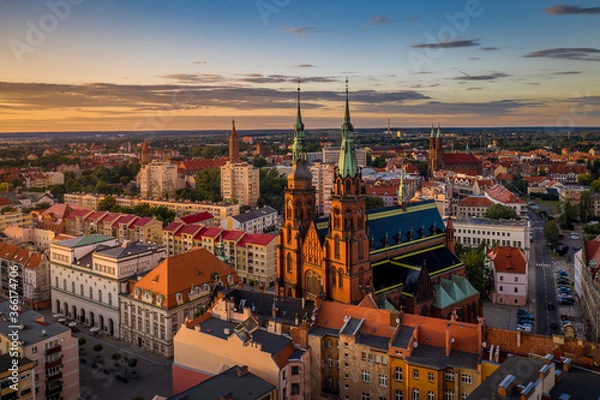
240,181
157,179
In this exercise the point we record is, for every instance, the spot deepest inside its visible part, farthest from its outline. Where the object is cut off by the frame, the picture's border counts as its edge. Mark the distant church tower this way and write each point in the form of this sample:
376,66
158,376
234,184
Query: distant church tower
436,151
145,158
234,143
348,262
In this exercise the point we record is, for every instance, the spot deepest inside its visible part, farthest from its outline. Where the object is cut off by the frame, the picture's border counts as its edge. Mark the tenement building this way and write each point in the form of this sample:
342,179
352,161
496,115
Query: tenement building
88,274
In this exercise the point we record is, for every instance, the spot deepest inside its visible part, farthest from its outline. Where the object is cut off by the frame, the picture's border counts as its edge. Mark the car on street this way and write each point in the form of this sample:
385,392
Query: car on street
550,305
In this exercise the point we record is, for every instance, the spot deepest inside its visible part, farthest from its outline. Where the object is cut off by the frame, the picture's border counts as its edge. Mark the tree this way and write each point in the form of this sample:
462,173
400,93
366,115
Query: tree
584,179
259,162
477,269
132,362
595,185
98,348
81,341
109,203
374,202
568,214
272,185
499,211
585,205
551,231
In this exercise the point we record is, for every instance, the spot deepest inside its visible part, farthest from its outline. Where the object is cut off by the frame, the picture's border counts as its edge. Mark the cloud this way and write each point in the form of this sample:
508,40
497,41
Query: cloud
193,78
488,77
447,45
303,31
489,48
306,66
499,107
259,78
380,20
567,73
199,62
568,53
570,10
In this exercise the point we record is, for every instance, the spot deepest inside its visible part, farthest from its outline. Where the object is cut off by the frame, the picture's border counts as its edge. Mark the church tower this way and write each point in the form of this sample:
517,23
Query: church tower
298,214
234,143
436,151
145,158
348,269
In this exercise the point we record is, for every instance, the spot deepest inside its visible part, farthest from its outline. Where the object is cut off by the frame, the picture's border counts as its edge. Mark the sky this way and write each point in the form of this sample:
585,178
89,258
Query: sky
150,65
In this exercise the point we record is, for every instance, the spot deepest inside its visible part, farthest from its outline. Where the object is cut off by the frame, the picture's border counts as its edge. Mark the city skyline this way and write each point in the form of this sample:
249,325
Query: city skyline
141,66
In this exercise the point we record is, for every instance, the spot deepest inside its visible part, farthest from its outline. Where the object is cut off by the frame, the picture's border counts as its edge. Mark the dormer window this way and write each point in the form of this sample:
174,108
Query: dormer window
159,300
137,292
148,296
179,298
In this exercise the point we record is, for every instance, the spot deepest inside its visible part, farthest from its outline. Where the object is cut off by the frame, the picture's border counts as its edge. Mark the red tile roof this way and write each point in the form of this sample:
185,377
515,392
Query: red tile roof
261,239
199,217
503,195
142,221
232,235
508,259
460,158
173,227
475,201
209,232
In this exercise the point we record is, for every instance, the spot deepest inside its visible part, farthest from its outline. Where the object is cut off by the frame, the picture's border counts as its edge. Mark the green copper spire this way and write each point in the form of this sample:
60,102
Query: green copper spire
347,164
432,132
467,148
439,132
298,147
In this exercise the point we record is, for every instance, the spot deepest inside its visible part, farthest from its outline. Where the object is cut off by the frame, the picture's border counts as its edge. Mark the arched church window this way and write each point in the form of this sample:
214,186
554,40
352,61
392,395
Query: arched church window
314,284
340,278
360,247
333,277
290,263
337,218
336,246
289,233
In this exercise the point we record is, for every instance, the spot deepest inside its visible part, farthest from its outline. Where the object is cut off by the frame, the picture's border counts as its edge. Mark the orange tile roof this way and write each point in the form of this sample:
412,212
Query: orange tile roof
502,194
179,274
476,201
508,259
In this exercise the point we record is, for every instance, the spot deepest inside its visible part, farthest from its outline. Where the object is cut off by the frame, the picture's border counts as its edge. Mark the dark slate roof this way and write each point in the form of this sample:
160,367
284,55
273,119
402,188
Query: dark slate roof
528,371
296,355
129,249
250,215
393,226
373,341
351,326
261,305
436,259
245,387
216,327
322,331
435,357
271,342
580,384
403,338
6,361
32,332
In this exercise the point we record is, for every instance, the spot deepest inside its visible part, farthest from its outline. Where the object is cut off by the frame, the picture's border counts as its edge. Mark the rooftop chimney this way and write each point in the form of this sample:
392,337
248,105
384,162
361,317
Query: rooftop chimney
242,370
505,387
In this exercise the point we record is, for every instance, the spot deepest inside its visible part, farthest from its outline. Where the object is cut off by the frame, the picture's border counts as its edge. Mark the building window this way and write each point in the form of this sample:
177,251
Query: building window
516,290
430,395
330,362
449,395
501,277
91,293
398,374
72,287
399,395
365,396
382,380
501,288
295,388
449,375
430,376
464,396
466,378
110,299
416,373
295,370
415,394
366,376
363,356
337,246
100,296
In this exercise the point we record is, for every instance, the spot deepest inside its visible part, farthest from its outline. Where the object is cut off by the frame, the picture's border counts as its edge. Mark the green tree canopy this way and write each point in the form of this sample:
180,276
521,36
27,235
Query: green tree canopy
585,179
374,202
477,269
551,231
272,185
499,211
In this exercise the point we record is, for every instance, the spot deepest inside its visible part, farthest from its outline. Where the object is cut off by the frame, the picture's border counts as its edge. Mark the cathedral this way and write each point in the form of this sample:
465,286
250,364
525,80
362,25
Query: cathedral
400,257
462,163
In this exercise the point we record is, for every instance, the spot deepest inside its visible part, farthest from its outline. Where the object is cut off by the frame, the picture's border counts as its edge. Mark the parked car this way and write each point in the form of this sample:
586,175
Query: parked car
562,272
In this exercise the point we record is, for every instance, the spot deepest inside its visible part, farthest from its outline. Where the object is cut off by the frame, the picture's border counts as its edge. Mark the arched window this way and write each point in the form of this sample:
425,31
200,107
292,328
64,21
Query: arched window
337,218
360,246
72,287
340,278
289,233
81,289
290,263
314,284
56,282
64,284
110,299
91,293
348,187
357,188
100,296
336,246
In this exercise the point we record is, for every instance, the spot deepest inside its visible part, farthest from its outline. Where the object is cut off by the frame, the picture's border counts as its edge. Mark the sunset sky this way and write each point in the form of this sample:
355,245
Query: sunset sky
107,65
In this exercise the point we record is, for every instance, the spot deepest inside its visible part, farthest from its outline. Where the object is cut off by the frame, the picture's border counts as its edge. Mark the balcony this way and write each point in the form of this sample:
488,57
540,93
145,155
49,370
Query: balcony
53,378
55,363
53,350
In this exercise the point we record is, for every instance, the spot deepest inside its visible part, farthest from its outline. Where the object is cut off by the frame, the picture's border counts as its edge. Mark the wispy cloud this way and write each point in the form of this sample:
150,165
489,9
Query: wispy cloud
259,78
380,20
570,10
193,78
199,62
305,66
488,77
489,48
500,107
568,53
567,73
447,45
303,30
